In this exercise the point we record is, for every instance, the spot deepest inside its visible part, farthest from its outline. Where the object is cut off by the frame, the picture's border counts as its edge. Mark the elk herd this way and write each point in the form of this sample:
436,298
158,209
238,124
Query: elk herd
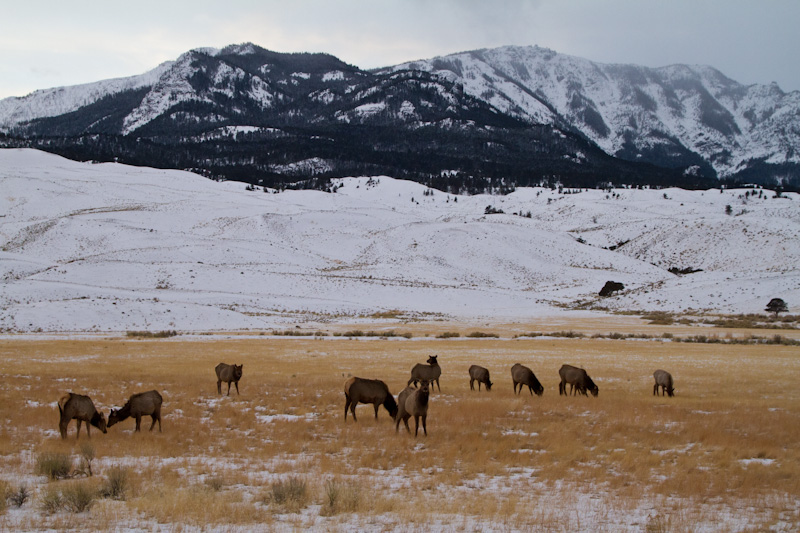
412,401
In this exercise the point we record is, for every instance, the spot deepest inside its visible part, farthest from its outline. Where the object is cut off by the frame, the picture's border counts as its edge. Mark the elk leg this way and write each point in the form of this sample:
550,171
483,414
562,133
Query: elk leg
416,425
138,423
425,424
229,388
376,405
237,387
153,424
78,434
219,386
346,406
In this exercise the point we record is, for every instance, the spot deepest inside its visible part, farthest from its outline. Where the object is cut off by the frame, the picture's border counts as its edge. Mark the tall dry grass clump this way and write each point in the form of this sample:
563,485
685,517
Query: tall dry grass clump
54,465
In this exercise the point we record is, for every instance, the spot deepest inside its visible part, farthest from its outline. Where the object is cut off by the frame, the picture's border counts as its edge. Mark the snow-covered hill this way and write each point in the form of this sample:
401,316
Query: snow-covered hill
107,247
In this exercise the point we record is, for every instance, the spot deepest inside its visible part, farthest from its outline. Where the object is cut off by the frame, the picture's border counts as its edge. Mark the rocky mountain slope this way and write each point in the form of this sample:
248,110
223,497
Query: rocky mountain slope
272,119
678,115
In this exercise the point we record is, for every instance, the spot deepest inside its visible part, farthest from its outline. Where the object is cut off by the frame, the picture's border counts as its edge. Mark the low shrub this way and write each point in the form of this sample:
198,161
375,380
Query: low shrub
87,456
51,500
16,497
660,318
54,465
75,497
291,493
78,496
482,335
215,483
341,497
153,334
116,484
568,334
448,335
360,333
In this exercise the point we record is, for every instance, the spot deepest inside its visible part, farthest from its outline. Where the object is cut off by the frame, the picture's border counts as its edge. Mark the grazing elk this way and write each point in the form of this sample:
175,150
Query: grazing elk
229,373
663,380
139,405
578,380
429,372
522,375
413,402
374,391
82,409
481,375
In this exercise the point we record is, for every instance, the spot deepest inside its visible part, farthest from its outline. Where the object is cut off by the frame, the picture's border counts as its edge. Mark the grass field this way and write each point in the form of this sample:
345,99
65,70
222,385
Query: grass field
722,455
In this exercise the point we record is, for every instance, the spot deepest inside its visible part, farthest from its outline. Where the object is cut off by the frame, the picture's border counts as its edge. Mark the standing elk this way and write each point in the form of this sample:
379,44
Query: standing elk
481,375
522,375
663,380
139,405
374,391
413,402
578,380
82,409
228,373
429,372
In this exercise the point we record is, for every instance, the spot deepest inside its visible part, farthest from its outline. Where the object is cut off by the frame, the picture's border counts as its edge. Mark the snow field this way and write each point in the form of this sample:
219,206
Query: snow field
105,247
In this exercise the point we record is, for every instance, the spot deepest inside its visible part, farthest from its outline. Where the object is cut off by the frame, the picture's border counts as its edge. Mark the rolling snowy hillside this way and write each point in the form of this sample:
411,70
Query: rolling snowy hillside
108,247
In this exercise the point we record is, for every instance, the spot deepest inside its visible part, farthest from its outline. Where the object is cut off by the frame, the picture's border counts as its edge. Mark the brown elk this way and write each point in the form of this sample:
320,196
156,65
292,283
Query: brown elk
663,380
429,372
522,375
578,380
139,405
374,391
481,375
413,402
228,373
82,409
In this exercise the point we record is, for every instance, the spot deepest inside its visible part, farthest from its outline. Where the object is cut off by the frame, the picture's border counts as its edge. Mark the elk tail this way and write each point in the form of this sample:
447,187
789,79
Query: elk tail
62,402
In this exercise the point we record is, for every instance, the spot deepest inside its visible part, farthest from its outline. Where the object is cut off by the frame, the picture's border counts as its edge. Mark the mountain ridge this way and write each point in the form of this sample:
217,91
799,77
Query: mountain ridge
512,115
694,109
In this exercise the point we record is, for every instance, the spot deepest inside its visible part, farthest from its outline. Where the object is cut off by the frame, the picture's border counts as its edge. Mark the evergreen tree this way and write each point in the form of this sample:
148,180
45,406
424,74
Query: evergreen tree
777,305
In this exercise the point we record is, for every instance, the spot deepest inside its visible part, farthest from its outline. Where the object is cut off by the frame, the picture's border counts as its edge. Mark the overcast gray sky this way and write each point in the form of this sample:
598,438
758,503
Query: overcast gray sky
47,43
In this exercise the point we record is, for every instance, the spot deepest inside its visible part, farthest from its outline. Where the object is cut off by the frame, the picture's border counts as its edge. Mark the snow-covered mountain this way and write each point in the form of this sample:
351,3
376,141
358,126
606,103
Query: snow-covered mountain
512,115
677,115
109,247
249,114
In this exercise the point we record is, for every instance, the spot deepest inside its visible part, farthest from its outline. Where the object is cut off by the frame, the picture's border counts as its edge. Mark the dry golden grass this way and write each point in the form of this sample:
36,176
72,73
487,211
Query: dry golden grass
623,460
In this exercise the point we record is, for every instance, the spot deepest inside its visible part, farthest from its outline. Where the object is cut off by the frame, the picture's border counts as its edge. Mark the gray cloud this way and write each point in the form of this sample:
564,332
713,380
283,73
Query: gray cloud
64,43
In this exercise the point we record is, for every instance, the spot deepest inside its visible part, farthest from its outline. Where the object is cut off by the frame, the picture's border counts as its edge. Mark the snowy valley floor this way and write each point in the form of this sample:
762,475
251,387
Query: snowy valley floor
721,455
